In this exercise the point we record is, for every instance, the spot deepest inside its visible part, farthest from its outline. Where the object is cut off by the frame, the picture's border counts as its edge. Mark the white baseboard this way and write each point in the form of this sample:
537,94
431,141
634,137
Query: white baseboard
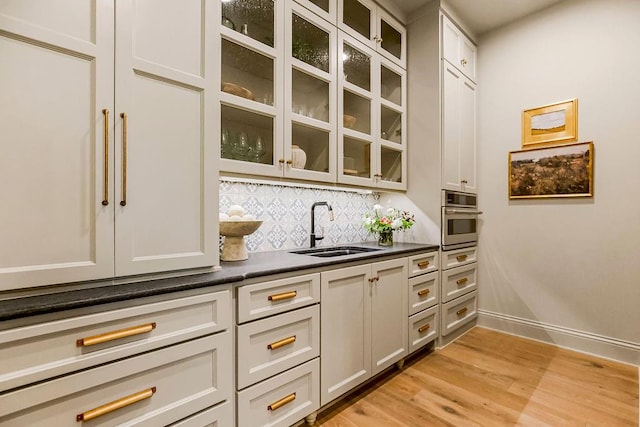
584,342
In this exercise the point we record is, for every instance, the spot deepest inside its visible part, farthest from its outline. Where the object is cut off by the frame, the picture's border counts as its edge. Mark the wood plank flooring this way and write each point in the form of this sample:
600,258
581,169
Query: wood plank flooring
487,378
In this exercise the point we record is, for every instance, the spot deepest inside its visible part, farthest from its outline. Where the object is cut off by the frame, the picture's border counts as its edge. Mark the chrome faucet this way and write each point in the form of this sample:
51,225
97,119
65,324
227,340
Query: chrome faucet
313,237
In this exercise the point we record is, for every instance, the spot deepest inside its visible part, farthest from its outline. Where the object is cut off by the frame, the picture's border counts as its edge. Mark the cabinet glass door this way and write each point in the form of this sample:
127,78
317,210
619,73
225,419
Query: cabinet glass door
357,112
246,136
246,73
357,158
253,18
324,8
391,165
310,43
391,38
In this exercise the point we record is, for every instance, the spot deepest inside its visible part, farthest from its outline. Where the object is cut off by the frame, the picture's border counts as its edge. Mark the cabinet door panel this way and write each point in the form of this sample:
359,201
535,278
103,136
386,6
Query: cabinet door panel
346,341
388,313
468,135
450,127
167,220
57,77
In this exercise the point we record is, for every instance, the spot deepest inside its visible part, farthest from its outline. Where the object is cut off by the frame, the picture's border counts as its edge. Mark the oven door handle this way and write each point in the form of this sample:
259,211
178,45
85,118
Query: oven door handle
462,211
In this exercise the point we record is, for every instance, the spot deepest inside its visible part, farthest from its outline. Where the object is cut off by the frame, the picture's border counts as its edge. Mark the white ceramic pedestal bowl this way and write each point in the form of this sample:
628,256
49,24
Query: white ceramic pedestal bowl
234,232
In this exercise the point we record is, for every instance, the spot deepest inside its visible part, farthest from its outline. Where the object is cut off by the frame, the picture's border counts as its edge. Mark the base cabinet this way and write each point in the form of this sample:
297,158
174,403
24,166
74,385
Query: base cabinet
363,323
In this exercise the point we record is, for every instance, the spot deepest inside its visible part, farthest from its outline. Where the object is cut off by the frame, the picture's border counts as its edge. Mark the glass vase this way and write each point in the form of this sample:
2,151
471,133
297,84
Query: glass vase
385,238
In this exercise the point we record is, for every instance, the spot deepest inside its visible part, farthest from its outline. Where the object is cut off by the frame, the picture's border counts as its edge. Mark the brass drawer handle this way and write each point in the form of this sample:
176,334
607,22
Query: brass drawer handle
283,296
105,196
115,405
281,343
423,264
424,292
461,258
114,335
279,403
424,328
462,311
462,281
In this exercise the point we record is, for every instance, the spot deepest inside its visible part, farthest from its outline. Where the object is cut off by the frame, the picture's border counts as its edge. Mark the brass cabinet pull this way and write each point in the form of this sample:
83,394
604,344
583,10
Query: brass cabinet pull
281,161
289,162
116,404
123,202
424,292
462,281
424,328
377,175
281,343
423,264
279,403
462,311
282,296
461,258
463,61
105,197
114,335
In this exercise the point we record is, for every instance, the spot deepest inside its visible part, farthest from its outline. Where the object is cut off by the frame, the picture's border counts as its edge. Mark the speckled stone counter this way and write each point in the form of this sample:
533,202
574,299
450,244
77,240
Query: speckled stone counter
258,265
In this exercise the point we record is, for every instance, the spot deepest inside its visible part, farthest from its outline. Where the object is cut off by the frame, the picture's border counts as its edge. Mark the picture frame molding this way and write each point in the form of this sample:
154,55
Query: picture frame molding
570,134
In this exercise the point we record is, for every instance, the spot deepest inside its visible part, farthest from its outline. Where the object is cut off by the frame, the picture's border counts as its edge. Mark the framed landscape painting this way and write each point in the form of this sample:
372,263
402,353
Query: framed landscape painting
563,171
551,124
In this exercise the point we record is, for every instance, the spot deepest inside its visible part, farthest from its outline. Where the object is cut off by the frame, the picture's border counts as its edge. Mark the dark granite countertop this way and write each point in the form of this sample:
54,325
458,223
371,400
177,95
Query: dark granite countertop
259,264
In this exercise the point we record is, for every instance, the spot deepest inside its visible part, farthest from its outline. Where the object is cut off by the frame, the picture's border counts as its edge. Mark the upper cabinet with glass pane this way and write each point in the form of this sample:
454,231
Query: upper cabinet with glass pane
326,9
375,27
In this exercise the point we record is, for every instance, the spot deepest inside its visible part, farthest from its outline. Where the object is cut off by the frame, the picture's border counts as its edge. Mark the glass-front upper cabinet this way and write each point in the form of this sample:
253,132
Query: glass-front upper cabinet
326,9
251,82
371,143
371,24
310,97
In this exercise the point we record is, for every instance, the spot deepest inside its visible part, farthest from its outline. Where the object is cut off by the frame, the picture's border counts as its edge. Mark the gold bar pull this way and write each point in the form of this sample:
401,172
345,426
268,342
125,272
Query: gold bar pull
423,264
279,403
424,292
105,196
282,296
462,281
115,405
281,343
461,258
114,335
123,202
462,311
424,328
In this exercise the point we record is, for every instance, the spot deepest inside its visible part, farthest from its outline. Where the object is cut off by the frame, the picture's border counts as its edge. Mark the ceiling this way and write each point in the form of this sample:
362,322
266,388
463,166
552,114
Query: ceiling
480,16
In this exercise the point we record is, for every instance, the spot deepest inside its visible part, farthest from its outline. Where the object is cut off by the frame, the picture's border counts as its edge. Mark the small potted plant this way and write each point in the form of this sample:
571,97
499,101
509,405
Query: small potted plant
384,222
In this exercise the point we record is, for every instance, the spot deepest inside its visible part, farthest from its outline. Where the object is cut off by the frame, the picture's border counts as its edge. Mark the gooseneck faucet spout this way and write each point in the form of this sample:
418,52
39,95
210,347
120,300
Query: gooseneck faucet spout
313,237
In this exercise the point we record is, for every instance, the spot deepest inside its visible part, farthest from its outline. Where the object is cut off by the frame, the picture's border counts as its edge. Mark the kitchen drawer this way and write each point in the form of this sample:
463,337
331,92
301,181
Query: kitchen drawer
459,281
423,292
423,263
269,298
220,415
37,352
459,312
423,328
283,399
269,346
179,380
458,257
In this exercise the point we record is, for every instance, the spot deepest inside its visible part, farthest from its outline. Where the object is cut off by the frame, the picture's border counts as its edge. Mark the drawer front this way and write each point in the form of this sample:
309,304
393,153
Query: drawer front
459,312
218,416
41,351
269,298
423,292
458,281
281,400
458,257
423,263
423,328
171,383
269,346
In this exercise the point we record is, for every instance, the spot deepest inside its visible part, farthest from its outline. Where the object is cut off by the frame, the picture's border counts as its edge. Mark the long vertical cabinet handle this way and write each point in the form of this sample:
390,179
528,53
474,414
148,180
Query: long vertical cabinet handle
105,194
123,202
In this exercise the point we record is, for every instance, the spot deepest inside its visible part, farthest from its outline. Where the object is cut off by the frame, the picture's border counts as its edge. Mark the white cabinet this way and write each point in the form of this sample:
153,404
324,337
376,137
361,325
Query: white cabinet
365,20
423,300
77,175
458,49
458,292
364,324
152,363
458,130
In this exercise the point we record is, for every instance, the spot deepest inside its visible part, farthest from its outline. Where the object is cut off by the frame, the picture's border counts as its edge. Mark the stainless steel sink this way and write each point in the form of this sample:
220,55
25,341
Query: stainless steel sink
334,251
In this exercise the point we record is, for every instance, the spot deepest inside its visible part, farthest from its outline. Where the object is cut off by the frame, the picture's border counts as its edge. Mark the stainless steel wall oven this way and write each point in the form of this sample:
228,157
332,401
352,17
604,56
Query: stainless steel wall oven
459,219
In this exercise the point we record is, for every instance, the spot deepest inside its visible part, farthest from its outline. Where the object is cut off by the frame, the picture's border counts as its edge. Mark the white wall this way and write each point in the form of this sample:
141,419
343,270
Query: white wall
564,270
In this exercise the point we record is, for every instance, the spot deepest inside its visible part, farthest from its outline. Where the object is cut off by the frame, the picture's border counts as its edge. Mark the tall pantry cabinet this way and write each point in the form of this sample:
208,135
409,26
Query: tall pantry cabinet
108,164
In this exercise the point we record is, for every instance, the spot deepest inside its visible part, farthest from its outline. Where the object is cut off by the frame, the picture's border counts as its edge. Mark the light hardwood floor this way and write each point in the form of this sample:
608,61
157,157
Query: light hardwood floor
487,378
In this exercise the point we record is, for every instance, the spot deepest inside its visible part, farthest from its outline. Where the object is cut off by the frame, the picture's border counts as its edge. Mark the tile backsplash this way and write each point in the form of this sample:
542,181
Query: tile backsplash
286,212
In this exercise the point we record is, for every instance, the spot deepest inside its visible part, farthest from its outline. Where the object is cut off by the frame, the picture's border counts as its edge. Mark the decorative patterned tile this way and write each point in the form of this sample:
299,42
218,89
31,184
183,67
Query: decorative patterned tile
276,210
276,237
299,236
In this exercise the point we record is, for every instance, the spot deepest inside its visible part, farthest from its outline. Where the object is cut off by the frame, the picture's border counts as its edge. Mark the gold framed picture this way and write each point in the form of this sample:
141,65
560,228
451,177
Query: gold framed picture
562,171
551,124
